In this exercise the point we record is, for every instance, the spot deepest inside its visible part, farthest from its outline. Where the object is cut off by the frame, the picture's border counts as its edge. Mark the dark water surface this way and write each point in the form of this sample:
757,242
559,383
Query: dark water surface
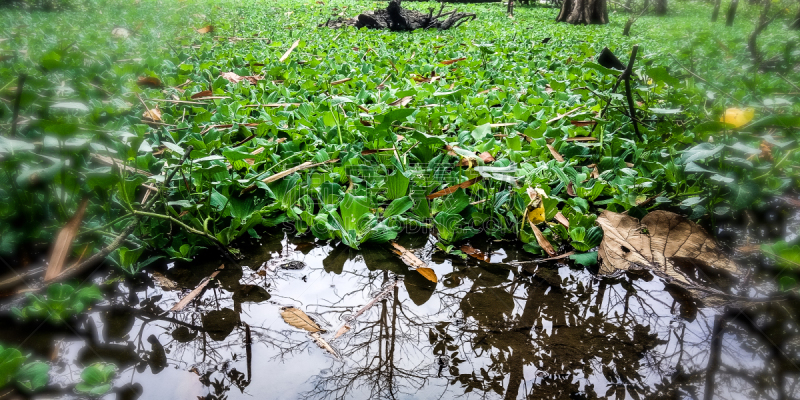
486,330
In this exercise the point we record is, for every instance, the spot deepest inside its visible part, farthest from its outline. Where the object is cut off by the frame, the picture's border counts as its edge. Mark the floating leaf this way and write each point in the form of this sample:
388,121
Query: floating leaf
298,319
428,274
657,243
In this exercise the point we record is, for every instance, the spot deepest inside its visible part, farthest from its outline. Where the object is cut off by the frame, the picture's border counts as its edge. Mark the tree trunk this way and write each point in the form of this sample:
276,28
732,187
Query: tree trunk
731,12
715,13
752,43
583,12
627,30
661,7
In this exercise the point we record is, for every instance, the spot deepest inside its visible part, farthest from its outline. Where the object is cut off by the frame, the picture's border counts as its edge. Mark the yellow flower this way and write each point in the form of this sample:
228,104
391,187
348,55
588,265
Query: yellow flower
738,117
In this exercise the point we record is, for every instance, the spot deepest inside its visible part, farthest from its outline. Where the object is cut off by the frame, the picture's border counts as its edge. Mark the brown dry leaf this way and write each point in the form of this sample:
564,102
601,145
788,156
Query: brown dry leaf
571,189
766,150
428,274
63,243
286,55
206,29
453,61
452,189
234,78
582,139
475,253
555,153
373,151
298,319
486,157
548,89
656,243
340,81
149,81
561,219
163,282
189,297
543,242
407,257
402,102
204,93
583,123
305,165
153,114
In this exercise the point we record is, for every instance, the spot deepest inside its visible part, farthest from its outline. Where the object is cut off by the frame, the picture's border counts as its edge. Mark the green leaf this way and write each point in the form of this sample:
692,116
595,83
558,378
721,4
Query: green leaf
398,207
480,132
398,185
10,361
585,259
33,375
353,208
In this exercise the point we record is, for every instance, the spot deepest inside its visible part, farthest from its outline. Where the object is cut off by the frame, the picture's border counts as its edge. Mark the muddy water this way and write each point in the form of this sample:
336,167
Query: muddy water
487,329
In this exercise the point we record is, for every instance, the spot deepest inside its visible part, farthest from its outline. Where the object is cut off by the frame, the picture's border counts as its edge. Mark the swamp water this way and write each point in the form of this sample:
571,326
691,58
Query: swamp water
488,329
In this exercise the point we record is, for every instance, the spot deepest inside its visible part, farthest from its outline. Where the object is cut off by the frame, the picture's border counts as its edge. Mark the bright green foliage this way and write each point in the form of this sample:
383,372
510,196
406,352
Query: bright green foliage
511,97
61,302
96,379
786,256
29,376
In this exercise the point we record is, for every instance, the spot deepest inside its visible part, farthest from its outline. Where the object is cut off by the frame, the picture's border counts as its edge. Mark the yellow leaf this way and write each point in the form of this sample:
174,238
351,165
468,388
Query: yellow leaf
206,29
738,117
534,212
298,319
428,274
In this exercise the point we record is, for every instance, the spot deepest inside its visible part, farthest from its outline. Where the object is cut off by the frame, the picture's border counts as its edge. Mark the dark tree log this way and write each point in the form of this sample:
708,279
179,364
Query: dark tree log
715,13
583,12
661,7
731,12
396,18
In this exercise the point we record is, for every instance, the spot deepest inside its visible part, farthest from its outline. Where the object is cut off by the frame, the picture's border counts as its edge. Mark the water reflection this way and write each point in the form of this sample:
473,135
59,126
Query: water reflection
499,330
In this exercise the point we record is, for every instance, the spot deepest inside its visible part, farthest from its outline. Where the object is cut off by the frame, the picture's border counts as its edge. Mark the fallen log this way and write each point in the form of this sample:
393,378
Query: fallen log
396,18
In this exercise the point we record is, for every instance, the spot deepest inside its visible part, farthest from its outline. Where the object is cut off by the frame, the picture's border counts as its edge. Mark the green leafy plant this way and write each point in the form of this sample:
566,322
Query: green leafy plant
29,376
96,379
60,302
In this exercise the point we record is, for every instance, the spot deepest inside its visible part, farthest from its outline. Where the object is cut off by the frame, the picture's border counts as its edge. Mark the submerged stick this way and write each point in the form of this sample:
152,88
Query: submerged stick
189,297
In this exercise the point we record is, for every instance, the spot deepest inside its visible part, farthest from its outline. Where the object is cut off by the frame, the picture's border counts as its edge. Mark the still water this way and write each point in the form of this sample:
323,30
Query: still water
490,328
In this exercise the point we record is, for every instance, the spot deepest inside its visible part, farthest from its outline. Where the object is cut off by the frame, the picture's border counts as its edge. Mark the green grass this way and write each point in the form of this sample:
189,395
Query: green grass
80,98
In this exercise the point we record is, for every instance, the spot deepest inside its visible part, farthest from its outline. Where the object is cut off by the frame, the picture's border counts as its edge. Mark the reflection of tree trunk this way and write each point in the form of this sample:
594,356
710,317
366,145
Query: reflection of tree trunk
731,12
715,13
582,12
714,355
526,321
